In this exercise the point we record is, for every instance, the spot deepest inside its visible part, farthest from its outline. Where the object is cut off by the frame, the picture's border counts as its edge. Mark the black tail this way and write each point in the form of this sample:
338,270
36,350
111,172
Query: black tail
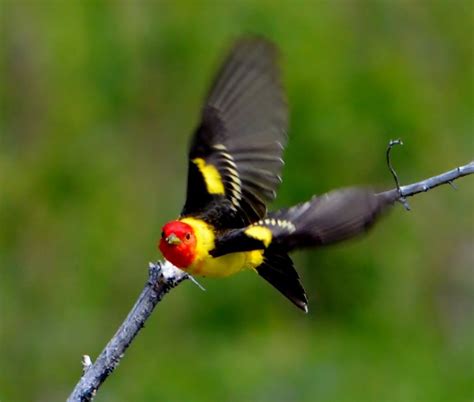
277,268
327,219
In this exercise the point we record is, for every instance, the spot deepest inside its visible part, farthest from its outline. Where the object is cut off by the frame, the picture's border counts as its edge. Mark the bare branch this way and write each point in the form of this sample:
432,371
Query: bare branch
163,276
435,181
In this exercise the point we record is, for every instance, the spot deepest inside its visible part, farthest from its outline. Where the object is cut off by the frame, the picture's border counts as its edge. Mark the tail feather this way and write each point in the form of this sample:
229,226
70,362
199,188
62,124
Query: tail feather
277,268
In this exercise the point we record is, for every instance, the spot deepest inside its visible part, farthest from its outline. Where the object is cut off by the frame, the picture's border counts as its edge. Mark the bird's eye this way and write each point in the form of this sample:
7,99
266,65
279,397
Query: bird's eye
162,234
188,236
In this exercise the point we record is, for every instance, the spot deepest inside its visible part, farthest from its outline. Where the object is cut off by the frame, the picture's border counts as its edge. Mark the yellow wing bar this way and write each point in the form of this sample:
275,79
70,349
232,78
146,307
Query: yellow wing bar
212,177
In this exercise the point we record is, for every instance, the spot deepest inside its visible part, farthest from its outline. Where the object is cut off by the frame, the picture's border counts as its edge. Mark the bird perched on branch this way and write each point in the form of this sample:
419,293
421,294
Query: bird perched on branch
235,163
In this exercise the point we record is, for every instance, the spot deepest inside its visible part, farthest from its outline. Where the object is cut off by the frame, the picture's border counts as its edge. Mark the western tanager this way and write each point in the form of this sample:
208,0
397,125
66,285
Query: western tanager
235,162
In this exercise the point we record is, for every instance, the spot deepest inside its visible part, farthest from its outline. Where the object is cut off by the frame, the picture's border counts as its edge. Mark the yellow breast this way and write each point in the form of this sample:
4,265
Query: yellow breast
206,265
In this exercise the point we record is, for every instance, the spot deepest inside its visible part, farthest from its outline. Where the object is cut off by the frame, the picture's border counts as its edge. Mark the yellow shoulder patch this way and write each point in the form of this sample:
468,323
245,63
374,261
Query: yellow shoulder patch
260,233
255,258
211,176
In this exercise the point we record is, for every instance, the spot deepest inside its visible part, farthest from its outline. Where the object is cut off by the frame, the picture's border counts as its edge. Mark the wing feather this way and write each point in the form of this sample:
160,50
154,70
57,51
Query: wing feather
242,134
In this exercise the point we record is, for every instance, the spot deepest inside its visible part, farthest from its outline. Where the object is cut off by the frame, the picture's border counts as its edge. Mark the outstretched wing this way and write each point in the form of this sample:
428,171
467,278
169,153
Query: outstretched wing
235,158
327,219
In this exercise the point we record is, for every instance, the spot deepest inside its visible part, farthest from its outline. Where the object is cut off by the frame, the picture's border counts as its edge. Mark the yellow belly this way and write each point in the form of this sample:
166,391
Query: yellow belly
227,264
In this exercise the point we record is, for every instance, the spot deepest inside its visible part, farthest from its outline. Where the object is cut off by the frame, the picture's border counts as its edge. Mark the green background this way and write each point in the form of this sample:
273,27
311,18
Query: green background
98,100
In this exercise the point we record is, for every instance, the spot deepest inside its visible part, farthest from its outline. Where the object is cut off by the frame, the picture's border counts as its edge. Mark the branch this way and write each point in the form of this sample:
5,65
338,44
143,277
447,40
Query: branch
163,277
428,184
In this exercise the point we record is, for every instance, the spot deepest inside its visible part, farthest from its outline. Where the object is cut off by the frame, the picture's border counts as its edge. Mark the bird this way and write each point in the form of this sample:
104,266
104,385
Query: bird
234,170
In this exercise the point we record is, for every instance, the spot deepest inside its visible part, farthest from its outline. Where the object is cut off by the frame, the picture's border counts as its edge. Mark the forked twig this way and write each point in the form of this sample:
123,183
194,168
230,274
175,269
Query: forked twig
401,198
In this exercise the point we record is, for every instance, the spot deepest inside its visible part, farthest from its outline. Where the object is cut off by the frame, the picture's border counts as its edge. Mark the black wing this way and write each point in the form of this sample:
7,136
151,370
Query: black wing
330,218
235,158
327,219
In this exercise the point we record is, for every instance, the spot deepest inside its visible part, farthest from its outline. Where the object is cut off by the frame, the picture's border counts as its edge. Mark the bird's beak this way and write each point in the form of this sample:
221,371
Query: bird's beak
173,240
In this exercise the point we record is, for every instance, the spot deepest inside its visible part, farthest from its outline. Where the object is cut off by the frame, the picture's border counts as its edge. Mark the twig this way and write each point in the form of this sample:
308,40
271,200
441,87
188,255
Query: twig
401,198
163,277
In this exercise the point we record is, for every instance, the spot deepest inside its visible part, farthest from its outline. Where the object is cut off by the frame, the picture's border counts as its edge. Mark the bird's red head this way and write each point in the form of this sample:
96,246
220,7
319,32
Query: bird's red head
178,243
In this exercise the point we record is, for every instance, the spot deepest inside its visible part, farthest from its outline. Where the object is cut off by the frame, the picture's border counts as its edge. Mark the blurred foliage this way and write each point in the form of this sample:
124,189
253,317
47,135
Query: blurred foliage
98,100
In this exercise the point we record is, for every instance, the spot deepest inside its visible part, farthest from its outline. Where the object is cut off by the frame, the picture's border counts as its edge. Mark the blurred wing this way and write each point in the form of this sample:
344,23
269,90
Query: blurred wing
235,158
330,218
